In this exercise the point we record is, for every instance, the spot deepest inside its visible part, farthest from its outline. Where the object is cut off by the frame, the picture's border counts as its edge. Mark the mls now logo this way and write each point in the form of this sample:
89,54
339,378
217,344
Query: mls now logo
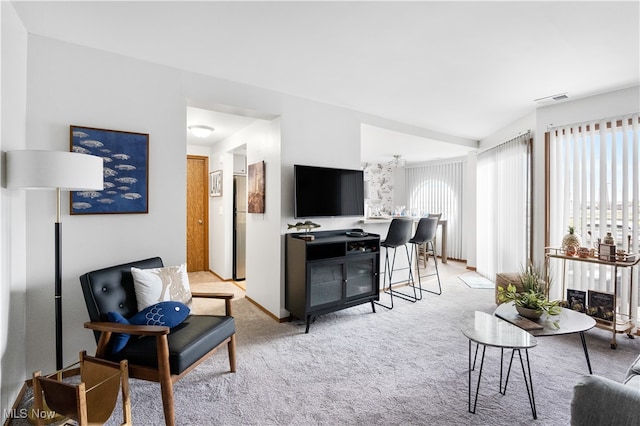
24,413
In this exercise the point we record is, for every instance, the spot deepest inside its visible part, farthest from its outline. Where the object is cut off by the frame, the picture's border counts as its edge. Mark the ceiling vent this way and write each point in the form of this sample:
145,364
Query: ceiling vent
552,98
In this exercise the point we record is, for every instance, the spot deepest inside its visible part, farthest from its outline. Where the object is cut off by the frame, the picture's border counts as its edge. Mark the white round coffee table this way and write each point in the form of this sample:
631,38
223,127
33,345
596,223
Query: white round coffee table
488,330
568,322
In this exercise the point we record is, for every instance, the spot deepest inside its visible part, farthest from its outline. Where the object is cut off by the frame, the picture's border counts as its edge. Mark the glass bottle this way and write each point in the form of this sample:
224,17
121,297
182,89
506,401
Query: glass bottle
608,239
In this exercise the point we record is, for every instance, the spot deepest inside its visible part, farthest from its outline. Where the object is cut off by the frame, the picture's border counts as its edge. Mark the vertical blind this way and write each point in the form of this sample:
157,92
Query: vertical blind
504,207
437,188
594,179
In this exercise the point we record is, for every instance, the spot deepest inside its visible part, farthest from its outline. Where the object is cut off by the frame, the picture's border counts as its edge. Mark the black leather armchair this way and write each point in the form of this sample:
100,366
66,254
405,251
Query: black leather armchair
160,354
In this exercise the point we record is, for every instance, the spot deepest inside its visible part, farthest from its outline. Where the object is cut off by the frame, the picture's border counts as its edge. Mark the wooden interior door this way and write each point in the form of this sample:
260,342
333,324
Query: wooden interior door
197,213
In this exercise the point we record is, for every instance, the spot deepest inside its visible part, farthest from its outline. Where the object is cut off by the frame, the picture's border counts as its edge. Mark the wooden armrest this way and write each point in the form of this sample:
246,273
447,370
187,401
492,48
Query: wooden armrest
213,295
107,328
139,330
226,296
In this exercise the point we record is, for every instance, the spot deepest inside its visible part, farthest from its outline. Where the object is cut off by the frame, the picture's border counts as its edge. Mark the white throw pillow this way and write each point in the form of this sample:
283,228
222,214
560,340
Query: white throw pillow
160,285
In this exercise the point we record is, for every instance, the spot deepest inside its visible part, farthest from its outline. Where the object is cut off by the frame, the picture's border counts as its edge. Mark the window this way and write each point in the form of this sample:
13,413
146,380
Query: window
437,188
593,182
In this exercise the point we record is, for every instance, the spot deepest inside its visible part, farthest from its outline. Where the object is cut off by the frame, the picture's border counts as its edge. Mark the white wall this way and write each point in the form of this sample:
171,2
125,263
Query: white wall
512,130
263,257
220,213
201,150
256,137
67,85
325,136
13,107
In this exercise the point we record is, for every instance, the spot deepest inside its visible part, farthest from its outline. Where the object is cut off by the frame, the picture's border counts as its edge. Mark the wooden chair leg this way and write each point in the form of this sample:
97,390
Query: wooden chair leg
126,400
166,385
231,346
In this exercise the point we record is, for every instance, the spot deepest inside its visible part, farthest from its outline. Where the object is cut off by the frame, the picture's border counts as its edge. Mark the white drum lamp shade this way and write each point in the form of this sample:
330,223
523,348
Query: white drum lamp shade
69,171
33,169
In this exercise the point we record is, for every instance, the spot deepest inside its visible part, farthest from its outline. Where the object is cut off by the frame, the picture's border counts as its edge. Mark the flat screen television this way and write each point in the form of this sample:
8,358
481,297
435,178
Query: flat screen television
328,192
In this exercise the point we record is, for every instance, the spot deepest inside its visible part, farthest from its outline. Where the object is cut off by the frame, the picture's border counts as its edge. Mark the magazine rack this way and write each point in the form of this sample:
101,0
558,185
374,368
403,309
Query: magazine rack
621,323
89,402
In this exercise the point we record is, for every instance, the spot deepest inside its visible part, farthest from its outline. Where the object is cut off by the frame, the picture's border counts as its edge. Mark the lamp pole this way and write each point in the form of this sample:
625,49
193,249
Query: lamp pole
69,171
58,283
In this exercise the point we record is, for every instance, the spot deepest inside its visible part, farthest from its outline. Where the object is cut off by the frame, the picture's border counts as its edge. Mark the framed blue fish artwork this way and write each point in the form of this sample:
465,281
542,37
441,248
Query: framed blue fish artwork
126,171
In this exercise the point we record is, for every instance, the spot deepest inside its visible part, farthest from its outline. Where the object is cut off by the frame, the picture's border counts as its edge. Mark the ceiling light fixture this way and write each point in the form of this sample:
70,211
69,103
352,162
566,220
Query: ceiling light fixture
201,131
397,161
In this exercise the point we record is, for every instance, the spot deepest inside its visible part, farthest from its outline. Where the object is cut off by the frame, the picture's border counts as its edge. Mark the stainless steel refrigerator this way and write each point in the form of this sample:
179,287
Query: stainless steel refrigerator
239,227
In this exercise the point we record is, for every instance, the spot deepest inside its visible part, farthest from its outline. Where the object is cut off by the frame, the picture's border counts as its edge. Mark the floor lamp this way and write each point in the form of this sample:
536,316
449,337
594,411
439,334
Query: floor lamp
69,171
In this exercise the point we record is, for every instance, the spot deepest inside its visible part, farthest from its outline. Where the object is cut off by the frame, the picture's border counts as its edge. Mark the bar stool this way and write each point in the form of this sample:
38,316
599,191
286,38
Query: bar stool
425,236
422,248
398,235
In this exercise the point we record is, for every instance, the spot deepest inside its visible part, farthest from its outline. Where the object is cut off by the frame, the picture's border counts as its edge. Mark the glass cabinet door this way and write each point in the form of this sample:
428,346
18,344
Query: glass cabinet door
360,276
325,282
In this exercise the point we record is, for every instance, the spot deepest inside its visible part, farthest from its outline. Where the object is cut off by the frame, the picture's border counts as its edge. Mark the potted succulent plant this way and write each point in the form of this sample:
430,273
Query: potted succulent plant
532,302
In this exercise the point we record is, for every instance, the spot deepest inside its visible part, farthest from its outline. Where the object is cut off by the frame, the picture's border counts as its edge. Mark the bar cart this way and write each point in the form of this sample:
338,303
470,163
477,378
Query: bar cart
621,323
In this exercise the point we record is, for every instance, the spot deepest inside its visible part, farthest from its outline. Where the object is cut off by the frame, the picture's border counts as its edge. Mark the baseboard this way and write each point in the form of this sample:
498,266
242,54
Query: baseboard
263,309
219,277
472,268
226,280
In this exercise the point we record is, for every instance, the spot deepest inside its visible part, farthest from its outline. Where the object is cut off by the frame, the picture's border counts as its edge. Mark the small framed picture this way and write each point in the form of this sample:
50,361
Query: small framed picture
607,252
215,183
577,300
255,189
601,305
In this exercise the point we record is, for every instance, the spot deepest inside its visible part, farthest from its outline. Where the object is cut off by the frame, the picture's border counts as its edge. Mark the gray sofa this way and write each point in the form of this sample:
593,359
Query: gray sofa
601,401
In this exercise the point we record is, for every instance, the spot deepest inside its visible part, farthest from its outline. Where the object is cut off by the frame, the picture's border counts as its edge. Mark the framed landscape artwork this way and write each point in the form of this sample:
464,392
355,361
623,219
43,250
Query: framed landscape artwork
255,188
126,171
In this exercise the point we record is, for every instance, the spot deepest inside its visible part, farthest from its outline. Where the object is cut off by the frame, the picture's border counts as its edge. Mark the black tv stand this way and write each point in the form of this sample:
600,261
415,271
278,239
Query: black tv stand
332,271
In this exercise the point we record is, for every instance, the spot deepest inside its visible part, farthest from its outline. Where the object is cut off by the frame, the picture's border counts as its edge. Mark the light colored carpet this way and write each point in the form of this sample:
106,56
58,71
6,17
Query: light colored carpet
398,367
407,366
475,280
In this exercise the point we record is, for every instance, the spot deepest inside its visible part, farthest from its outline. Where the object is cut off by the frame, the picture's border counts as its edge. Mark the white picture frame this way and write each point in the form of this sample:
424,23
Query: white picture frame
215,183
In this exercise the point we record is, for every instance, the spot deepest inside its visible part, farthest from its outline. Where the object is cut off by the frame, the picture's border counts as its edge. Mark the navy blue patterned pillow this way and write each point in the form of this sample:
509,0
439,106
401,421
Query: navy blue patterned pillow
169,314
